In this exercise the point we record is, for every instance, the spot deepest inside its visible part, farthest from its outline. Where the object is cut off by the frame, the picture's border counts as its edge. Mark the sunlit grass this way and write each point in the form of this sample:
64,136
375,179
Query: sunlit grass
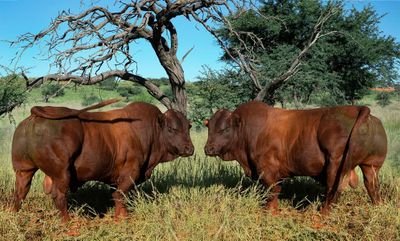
202,198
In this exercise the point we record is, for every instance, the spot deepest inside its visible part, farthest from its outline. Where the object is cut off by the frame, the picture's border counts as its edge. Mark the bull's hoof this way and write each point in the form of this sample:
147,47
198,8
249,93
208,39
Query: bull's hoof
325,210
274,212
120,214
272,207
73,230
14,207
65,218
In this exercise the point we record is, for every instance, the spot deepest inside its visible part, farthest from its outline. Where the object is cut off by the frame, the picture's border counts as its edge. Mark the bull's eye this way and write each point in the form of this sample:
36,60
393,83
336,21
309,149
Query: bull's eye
225,130
172,130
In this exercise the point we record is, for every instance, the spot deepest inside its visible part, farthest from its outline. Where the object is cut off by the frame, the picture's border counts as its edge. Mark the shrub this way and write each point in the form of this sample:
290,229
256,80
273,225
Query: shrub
383,99
128,91
108,84
89,100
12,92
52,90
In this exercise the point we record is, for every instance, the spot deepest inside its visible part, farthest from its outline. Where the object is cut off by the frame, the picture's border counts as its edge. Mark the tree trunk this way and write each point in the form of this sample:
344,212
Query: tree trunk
176,77
266,96
177,80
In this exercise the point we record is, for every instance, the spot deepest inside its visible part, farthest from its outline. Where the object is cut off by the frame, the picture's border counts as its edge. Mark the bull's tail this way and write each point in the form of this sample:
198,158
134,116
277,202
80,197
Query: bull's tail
346,165
109,116
100,104
57,113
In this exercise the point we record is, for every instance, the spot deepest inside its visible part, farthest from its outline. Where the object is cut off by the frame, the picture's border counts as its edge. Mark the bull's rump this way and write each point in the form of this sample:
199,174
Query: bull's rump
41,143
369,144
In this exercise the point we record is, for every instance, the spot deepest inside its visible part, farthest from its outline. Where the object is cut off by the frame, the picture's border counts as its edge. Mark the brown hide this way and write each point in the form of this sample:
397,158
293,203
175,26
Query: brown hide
325,143
119,147
55,112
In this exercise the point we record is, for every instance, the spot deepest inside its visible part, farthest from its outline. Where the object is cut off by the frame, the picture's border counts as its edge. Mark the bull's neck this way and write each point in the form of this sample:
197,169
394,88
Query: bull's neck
160,151
239,152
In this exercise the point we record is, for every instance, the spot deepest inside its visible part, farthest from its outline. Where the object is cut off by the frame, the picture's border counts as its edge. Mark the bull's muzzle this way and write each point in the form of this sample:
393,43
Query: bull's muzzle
210,150
188,150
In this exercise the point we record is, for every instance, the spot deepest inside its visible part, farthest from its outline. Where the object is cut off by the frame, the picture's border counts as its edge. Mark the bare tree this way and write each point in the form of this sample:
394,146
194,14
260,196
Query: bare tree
83,45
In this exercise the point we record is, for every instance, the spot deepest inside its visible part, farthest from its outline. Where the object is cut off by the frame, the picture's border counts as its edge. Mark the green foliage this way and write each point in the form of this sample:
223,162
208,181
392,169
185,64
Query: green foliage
90,99
159,81
12,92
397,90
216,90
343,64
164,85
383,99
135,92
129,90
52,90
109,84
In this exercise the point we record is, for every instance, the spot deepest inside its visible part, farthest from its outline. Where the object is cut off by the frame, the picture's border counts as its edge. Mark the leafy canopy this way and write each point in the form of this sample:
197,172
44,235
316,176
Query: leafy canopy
339,68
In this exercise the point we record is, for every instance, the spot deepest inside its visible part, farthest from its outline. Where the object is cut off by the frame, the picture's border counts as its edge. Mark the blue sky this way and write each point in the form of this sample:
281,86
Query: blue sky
21,16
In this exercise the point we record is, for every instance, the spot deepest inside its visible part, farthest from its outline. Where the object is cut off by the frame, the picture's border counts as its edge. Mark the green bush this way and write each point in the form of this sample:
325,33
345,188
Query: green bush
397,90
108,84
52,90
91,99
129,91
383,99
12,92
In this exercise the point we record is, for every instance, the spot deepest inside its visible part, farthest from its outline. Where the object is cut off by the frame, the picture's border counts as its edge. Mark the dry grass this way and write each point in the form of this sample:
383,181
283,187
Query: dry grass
200,198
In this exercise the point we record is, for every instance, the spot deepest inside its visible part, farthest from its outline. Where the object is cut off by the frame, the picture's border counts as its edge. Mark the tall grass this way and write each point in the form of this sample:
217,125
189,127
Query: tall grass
202,198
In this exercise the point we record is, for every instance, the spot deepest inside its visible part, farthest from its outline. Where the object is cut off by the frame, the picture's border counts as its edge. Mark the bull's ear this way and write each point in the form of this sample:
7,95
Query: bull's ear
161,120
205,122
236,121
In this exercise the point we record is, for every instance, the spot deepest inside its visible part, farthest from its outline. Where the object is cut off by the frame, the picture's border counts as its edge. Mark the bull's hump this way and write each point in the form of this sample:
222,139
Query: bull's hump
51,112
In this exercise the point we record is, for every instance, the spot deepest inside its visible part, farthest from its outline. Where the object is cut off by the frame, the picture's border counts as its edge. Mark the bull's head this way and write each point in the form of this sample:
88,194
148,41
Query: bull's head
222,129
175,130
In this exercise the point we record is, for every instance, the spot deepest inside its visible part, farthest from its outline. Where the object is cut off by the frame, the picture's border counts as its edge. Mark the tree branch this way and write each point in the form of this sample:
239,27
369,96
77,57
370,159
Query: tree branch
88,80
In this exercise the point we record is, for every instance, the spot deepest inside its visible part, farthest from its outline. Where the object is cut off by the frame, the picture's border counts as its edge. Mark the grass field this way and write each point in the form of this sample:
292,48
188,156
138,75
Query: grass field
202,198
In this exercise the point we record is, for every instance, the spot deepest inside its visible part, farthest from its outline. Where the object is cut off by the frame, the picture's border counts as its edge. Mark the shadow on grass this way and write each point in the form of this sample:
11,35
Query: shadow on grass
95,198
92,199
301,192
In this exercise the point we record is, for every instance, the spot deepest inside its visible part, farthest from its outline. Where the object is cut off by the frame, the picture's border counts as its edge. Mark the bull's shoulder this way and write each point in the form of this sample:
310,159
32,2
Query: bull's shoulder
253,110
143,109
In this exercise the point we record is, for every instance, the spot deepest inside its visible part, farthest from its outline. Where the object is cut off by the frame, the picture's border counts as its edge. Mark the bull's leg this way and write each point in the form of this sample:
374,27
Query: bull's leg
275,188
119,198
126,181
269,178
350,179
59,193
371,182
23,180
332,184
